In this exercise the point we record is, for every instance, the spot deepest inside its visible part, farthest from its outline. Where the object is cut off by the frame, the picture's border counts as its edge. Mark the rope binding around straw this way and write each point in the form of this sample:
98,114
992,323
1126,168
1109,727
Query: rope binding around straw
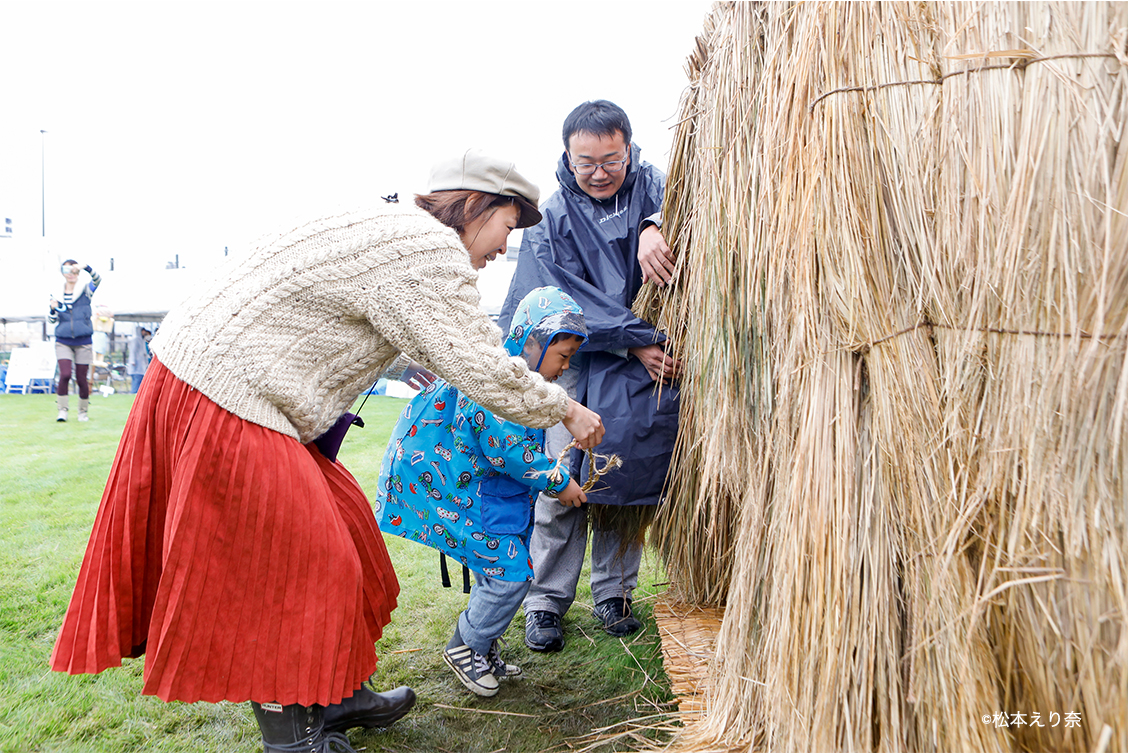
610,463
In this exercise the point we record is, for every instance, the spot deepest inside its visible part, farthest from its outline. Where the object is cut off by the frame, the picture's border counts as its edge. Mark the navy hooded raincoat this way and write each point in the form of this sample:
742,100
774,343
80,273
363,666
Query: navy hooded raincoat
588,248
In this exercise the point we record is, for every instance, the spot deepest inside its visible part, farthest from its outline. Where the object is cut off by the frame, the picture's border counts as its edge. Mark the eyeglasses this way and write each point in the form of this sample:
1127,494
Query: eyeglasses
614,166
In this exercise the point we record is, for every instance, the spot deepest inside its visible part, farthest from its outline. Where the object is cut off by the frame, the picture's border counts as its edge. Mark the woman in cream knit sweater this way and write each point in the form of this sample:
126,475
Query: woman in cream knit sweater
243,563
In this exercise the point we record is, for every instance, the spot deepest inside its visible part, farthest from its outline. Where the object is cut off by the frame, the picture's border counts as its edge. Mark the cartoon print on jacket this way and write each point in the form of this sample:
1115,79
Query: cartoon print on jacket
461,480
463,504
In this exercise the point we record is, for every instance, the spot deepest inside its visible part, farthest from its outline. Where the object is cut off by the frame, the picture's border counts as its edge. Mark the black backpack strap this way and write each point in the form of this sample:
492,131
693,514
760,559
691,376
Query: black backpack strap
443,570
445,574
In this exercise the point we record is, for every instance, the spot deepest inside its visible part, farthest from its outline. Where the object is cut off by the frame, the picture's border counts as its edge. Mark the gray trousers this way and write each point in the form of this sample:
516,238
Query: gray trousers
558,546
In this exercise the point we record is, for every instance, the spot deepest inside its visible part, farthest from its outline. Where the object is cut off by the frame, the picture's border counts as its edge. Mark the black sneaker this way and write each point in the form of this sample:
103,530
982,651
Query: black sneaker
543,631
616,616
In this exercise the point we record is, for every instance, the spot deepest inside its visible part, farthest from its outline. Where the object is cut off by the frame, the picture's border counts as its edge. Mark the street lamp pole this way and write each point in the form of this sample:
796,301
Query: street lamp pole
43,180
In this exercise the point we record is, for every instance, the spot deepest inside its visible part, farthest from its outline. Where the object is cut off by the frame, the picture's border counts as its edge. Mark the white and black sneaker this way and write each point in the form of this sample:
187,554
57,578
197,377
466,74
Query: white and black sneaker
501,670
62,415
473,669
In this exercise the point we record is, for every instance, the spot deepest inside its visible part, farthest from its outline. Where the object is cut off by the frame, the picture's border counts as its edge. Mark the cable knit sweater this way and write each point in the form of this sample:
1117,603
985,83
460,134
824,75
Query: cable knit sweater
289,336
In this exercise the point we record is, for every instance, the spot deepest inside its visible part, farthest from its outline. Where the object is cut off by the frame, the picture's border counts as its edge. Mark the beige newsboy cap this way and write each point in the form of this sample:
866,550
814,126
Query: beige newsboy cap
477,171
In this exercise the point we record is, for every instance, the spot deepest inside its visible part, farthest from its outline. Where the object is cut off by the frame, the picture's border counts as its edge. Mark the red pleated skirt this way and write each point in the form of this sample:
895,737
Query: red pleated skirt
243,564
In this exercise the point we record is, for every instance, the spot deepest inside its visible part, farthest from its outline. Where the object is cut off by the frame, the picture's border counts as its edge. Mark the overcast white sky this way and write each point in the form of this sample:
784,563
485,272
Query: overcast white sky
185,127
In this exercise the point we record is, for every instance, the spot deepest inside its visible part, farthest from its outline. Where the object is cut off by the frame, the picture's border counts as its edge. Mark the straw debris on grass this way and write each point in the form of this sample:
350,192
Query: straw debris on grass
902,300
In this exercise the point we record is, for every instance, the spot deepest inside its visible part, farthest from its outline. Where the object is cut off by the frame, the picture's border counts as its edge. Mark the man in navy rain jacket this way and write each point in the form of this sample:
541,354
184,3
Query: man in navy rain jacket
599,240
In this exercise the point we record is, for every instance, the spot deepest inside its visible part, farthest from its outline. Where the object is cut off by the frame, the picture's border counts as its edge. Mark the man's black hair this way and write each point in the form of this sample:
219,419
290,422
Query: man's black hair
600,118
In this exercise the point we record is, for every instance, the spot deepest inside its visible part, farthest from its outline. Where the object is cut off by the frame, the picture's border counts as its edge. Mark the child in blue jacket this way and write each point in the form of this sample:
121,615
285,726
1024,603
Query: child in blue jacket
459,479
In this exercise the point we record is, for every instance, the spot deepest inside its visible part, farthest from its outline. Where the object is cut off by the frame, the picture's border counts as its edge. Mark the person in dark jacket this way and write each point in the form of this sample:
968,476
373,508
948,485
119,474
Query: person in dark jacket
74,335
138,357
599,240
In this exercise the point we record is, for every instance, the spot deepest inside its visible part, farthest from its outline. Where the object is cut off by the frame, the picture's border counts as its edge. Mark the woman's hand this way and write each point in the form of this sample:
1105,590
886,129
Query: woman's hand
572,495
583,424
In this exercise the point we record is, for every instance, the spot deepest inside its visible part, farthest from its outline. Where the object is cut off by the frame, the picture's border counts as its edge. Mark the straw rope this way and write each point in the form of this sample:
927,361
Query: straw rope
864,347
1019,65
610,463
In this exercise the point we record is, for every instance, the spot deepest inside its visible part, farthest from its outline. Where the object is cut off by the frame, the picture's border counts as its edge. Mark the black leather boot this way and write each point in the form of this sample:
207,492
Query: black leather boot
297,729
367,708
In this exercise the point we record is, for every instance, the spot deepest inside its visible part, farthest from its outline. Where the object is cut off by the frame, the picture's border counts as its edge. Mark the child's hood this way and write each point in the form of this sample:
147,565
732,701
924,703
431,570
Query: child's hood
540,316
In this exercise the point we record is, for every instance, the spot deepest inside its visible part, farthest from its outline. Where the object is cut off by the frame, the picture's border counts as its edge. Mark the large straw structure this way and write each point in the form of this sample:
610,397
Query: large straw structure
902,299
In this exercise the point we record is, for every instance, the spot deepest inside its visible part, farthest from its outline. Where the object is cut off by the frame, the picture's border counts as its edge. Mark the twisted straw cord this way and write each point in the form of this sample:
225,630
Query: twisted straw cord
1021,65
865,347
610,463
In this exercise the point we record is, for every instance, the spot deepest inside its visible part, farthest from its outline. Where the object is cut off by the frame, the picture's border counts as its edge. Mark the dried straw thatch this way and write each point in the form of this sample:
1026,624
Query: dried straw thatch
689,639
902,299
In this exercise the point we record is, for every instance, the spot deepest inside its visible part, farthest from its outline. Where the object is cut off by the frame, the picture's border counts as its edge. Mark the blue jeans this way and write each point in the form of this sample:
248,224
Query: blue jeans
136,381
491,608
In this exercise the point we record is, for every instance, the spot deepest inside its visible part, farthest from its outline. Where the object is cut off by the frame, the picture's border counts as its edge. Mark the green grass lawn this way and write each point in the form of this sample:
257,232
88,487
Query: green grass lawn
51,479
